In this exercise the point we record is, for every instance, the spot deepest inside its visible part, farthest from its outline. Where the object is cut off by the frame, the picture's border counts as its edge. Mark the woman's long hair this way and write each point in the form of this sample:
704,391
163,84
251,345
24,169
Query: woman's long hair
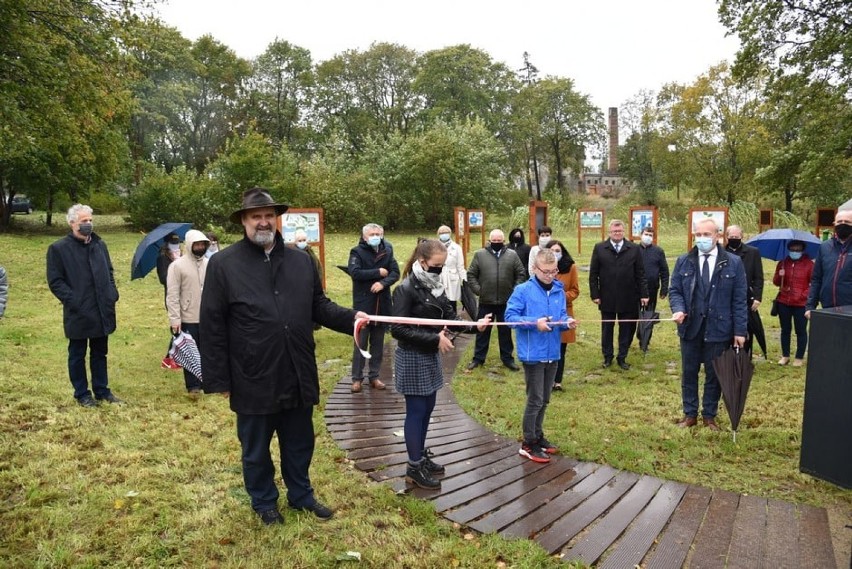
425,248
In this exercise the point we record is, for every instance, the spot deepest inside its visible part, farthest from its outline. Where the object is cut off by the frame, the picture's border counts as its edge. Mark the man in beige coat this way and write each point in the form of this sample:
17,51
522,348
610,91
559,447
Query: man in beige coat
184,284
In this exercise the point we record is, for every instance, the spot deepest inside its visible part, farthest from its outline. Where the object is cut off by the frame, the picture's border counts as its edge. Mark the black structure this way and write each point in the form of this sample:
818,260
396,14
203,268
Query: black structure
827,420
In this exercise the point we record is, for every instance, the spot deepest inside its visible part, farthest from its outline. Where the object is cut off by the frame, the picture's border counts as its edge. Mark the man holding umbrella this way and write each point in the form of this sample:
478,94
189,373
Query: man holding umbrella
708,300
753,266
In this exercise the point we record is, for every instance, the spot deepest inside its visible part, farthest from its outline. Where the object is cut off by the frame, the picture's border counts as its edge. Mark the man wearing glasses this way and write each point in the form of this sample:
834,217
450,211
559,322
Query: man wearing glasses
618,286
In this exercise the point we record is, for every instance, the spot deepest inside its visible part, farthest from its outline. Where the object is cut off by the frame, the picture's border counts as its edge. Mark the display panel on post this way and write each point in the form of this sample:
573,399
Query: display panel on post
642,217
309,220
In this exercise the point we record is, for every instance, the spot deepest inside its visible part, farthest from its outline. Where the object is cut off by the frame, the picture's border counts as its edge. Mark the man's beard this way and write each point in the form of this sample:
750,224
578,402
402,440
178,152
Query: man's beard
263,237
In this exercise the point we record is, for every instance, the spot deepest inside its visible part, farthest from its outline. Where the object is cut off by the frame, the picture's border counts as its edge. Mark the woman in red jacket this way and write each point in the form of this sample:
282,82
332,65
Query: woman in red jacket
793,276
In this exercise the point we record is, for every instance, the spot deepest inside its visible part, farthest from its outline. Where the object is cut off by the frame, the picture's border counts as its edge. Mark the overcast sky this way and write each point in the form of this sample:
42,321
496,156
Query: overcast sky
610,48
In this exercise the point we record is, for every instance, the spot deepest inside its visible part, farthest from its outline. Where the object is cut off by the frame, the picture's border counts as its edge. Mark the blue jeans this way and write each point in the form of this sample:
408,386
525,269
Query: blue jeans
694,353
504,335
374,335
418,410
98,349
539,378
790,316
295,430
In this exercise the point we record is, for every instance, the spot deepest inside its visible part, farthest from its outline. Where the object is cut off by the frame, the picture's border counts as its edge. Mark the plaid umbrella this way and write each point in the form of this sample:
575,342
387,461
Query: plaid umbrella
184,351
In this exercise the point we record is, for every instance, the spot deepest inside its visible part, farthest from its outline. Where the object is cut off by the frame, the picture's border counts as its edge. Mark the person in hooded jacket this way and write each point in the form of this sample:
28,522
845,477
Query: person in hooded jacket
373,269
259,304
417,361
570,280
80,275
831,284
184,286
518,244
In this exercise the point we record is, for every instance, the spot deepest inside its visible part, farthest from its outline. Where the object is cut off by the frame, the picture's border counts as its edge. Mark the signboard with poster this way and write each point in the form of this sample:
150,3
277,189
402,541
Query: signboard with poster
589,219
459,229
825,221
765,220
538,218
475,219
311,222
718,214
640,218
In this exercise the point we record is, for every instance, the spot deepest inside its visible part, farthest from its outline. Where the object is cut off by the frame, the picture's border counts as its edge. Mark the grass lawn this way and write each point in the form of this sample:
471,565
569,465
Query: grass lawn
157,482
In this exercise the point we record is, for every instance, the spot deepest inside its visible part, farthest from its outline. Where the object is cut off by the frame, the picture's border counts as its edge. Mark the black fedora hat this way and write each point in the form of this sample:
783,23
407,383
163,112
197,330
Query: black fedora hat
254,198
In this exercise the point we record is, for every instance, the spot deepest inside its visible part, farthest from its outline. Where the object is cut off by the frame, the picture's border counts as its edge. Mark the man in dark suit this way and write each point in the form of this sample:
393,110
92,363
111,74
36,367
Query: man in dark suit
708,298
618,286
753,266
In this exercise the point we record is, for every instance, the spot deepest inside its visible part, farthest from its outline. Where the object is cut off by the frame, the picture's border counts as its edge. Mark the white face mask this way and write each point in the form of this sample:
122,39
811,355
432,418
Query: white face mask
647,239
543,240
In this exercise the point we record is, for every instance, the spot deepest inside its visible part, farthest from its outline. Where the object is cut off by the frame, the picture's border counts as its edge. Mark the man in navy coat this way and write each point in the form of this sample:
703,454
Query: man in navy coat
708,299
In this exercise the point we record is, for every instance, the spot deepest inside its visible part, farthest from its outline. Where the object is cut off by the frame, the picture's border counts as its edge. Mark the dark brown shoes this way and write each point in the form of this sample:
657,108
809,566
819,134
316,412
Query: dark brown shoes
356,386
710,423
687,422
377,384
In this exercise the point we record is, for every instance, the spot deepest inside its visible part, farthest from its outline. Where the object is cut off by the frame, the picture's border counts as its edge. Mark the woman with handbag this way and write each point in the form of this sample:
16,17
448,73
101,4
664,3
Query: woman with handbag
793,277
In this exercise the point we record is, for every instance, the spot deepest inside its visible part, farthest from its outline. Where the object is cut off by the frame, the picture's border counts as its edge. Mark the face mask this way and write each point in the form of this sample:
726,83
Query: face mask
734,243
496,247
843,231
199,253
795,255
704,244
302,245
434,270
174,246
517,238
558,256
85,229
374,241
213,248
647,240
444,237
543,240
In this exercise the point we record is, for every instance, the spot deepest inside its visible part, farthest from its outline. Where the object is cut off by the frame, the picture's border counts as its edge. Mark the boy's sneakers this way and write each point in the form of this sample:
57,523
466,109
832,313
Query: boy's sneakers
547,446
534,452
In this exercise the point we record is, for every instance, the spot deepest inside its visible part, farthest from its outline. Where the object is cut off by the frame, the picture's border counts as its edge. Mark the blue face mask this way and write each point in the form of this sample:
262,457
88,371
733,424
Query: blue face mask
795,255
374,241
302,244
444,237
704,244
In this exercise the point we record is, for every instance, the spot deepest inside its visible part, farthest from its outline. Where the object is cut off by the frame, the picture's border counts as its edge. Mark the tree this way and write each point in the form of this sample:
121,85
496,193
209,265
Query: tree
280,92
63,100
366,94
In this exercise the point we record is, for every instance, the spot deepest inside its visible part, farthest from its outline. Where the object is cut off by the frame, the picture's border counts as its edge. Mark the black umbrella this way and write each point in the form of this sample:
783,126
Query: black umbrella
755,330
734,370
184,351
645,328
468,301
145,257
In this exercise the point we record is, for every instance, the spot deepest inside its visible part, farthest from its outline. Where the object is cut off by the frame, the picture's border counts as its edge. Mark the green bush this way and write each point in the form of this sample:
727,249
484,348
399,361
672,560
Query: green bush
104,203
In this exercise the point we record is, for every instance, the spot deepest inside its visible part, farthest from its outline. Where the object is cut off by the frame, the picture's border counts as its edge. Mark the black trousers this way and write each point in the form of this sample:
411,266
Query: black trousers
295,430
626,331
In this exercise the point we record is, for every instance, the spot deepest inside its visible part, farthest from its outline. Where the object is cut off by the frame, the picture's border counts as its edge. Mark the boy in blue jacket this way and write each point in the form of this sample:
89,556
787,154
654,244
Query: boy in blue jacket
538,306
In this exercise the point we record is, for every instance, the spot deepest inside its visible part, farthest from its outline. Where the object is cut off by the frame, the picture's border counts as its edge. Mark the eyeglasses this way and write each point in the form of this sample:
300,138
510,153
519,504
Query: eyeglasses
552,273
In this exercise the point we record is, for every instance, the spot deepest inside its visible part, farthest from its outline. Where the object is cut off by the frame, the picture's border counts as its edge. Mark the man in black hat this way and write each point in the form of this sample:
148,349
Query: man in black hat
258,309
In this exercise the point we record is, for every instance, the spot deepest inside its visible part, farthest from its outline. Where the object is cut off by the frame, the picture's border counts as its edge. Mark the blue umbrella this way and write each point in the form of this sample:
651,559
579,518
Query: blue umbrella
145,257
772,244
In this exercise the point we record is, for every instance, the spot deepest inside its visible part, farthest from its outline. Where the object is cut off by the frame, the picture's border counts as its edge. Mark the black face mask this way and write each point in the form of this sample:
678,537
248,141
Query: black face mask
517,239
434,270
200,253
496,247
843,231
734,243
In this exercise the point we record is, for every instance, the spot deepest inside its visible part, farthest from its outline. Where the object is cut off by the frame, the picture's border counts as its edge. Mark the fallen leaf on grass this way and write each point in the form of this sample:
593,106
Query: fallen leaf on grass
131,494
349,556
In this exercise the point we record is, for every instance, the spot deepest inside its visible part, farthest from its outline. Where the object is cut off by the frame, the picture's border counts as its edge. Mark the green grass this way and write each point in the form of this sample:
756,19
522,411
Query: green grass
157,482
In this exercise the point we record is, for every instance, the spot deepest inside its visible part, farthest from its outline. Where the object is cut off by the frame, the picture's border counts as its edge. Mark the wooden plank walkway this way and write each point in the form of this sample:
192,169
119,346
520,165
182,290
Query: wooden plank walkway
578,510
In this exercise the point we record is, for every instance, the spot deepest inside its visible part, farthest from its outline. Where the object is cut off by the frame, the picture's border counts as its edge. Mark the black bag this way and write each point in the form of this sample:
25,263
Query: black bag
773,311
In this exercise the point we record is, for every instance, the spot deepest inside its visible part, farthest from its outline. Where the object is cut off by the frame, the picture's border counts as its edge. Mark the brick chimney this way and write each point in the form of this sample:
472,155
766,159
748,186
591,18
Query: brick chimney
612,158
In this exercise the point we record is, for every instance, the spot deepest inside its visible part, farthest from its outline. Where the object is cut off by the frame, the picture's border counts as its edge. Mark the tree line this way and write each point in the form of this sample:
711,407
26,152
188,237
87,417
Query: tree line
100,99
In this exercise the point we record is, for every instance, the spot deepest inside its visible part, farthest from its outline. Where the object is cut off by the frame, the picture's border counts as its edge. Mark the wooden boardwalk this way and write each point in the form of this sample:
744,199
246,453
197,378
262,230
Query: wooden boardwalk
579,510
